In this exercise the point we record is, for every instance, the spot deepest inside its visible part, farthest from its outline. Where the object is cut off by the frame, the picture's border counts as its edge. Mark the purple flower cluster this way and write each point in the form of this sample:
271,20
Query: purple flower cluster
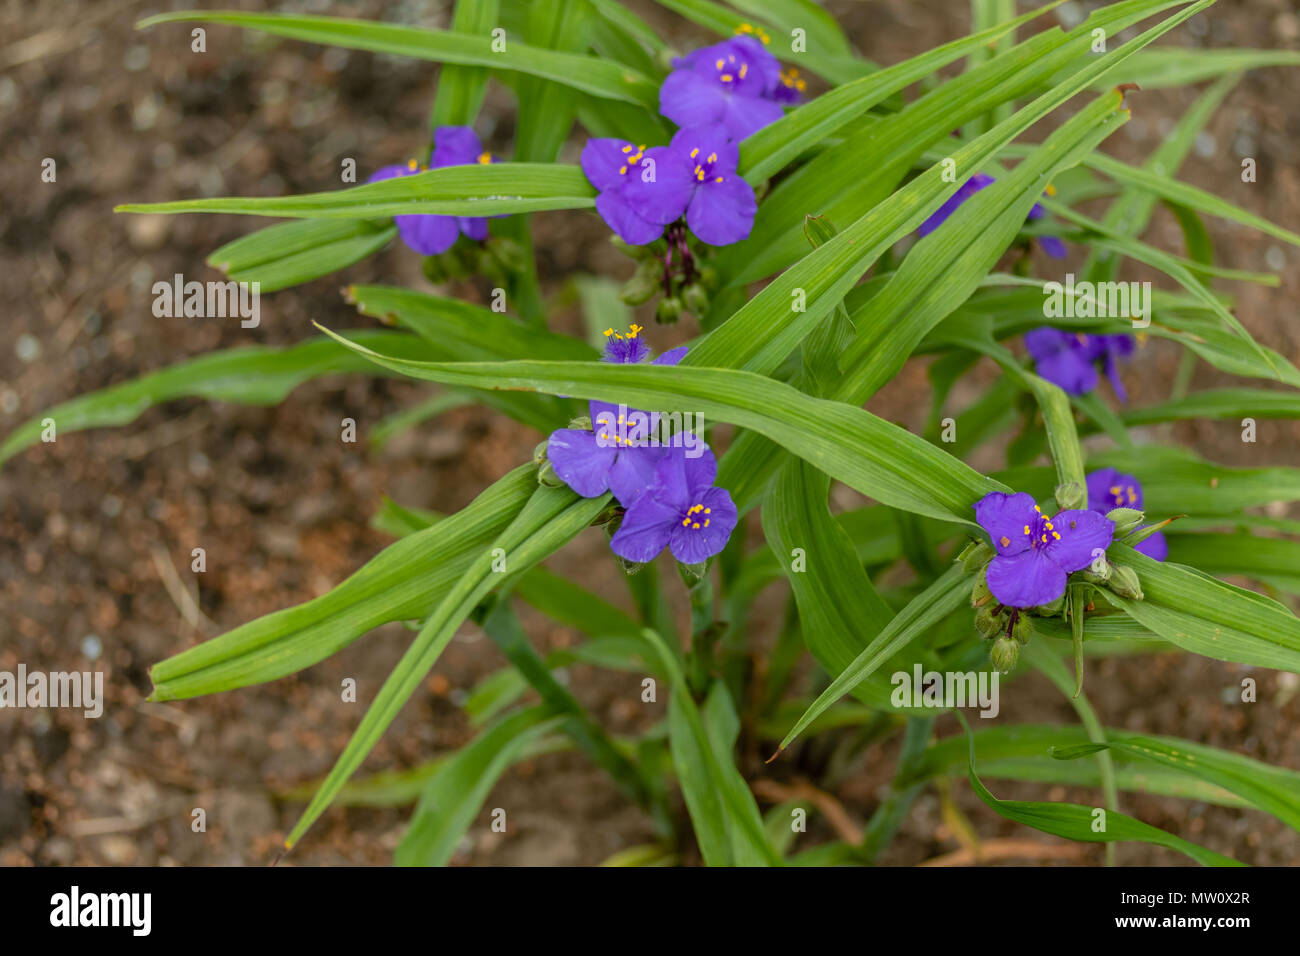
1109,489
1069,359
718,95
1035,553
1053,246
669,496
431,235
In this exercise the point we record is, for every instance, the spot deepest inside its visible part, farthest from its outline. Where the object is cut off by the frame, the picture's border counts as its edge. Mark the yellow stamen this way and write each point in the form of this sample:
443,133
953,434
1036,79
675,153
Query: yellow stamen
1005,541
484,158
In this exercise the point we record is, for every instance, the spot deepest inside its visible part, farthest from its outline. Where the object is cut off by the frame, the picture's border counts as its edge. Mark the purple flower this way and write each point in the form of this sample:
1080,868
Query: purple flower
430,235
681,510
1053,246
1035,554
610,164
727,86
789,88
1109,489
616,454
1069,359
695,175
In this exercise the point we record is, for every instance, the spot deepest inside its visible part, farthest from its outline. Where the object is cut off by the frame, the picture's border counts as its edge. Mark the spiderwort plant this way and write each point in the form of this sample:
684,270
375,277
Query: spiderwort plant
788,348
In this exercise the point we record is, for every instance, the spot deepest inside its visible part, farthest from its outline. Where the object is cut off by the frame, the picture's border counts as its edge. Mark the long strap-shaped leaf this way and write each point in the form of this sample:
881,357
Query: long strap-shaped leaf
588,74
850,444
551,518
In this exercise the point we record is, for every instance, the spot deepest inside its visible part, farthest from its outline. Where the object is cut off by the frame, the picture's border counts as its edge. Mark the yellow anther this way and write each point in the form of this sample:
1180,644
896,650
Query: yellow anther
1131,497
718,180
686,522
1005,541
713,157
412,165
695,152
726,77
695,525
627,148
717,64
633,330
1050,190
744,67
1038,509
708,511
622,170
1026,529
484,158
1056,535
1044,537
609,332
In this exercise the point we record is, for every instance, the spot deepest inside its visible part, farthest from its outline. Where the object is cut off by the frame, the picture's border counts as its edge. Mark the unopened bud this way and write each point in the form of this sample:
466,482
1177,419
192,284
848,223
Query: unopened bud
1051,608
1098,577
692,574
582,423
709,277
1022,630
539,453
1003,654
668,311
642,286
546,476
980,595
1126,520
1124,582
1071,495
695,299
988,624
975,555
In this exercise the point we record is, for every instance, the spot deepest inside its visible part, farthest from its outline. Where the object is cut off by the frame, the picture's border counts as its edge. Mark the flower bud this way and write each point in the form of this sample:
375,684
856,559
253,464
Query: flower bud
668,311
1094,577
980,595
509,253
1022,630
1126,520
546,476
695,299
975,555
1124,582
539,453
709,277
582,423
642,286
1071,495
1003,654
692,574
988,624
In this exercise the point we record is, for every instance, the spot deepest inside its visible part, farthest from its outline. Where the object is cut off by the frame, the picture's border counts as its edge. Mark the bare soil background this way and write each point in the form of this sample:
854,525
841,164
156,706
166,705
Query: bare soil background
96,529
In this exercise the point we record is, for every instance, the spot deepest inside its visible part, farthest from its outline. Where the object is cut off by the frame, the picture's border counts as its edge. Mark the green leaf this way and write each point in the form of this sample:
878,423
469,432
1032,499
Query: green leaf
291,253
252,375
454,795
461,88
1207,616
949,592
479,190
1165,67
1075,822
550,519
1271,789
850,444
588,74
727,823
403,582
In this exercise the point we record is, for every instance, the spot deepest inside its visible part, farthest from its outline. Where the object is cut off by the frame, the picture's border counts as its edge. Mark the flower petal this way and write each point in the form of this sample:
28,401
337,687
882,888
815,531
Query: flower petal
721,213
1082,533
744,115
664,188
1053,246
476,227
696,541
709,141
428,235
1005,517
1026,579
690,98
645,529
672,356
455,146
602,159
1100,498
967,189
580,461
1068,368
633,472
627,225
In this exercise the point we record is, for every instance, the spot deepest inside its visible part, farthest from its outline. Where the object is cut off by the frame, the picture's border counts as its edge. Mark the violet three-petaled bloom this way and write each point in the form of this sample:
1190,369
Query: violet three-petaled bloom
616,454
681,510
1069,359
728,86
610,164
1109,489
431,235
1035,553
695,175
1053,246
